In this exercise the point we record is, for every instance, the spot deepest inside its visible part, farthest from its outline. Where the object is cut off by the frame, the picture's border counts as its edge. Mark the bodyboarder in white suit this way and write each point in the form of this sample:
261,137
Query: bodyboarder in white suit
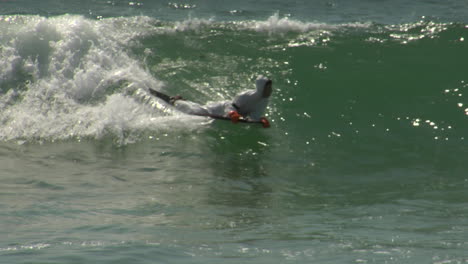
249,104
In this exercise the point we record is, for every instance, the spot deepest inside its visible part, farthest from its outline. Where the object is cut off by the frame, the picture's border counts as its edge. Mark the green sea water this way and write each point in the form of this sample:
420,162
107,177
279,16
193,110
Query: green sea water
365,160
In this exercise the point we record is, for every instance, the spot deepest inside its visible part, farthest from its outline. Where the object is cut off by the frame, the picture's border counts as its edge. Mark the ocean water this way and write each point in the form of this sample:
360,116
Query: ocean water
365,160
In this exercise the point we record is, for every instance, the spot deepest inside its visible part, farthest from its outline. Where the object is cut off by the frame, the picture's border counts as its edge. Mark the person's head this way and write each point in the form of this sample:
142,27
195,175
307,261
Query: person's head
264,86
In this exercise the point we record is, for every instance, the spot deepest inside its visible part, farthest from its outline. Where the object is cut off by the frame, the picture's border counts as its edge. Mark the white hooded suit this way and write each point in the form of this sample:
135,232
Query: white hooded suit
249,104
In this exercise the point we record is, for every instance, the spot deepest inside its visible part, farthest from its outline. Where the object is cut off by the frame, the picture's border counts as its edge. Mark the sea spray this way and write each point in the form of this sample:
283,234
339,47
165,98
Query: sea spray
67,77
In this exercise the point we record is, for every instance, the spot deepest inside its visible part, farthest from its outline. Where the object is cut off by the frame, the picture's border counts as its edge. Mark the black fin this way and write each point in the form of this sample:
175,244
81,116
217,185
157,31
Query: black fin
166,98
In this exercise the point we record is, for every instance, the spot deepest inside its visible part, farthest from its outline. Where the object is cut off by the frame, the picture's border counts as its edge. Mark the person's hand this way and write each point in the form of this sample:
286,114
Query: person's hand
234,117
265,122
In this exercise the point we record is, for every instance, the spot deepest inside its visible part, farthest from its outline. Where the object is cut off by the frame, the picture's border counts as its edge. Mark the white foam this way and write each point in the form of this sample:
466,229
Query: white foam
275,24
191,24
272,25
68,76
281,25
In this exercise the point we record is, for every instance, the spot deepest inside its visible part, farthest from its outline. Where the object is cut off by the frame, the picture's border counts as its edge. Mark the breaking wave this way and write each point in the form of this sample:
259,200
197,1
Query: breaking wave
70,77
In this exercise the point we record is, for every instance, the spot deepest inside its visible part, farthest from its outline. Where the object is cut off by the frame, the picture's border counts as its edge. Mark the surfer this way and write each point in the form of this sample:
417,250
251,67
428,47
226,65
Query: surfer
247,106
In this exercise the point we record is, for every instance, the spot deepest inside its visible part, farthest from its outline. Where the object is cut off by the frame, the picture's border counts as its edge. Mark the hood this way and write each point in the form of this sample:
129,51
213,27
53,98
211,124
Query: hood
261,82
